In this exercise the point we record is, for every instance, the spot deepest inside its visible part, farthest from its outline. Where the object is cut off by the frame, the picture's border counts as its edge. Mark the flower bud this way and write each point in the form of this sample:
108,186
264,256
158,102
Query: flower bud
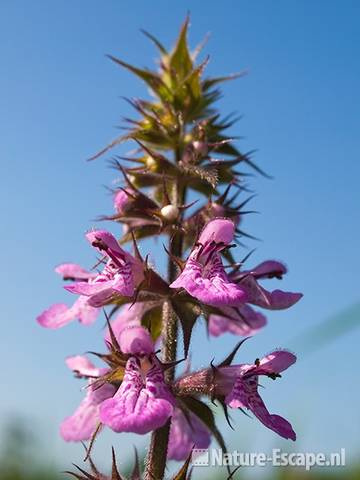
151,164
122,198
200,147
217,210
170,213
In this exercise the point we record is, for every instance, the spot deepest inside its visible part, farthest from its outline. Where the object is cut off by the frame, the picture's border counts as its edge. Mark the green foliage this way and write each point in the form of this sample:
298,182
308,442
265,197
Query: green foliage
181,112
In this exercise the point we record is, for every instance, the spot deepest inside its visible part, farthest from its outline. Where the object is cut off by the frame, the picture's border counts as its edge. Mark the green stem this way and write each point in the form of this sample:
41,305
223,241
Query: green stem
156,459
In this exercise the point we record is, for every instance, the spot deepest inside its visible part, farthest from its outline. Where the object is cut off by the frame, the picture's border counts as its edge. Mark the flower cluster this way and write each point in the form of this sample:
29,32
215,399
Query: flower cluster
179,140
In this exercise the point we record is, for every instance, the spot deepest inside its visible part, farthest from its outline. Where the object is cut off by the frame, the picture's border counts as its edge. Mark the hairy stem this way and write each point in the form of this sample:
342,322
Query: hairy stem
156,458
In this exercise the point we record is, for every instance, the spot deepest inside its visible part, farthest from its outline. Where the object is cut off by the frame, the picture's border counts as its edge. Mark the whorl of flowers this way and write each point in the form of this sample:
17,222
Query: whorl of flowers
182,153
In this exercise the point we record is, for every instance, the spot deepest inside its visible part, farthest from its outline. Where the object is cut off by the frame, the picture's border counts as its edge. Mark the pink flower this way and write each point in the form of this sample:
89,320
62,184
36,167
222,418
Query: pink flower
186,433
82,424
122,199
60,314
135,340
257,295
120,276
239,385
73,271
129,316
242,320
204,276
143,402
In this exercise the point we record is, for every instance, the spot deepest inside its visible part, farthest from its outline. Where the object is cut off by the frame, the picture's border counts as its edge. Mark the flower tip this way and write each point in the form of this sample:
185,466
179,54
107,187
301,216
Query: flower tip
102,240
136,340
295,297
219,230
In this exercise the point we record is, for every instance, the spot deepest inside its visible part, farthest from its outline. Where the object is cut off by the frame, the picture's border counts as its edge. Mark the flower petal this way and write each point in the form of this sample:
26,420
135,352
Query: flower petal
122,200
130,315
269,269
219,230
73,270
56,316
275,362
83,422
276,300
88,289
136,407
82,366
215,289
102,298
86,313
242,320
135,340
59,314
245,394
186,434
106,238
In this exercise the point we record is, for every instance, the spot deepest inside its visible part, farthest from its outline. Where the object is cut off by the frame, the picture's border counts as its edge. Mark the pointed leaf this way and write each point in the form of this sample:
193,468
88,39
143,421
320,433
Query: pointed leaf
152,320
149,77
228,360
180,58
211,82
159,45
187,313
183,472
206,415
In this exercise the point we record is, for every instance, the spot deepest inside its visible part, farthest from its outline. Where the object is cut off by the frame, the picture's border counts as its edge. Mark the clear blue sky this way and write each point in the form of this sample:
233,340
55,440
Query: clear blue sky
59,103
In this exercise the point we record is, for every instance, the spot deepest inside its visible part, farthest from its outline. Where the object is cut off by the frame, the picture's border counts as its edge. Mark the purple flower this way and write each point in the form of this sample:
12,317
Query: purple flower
186,433
204,276
239,385
257,295
60,314
120,276
143,402
242,320
82,424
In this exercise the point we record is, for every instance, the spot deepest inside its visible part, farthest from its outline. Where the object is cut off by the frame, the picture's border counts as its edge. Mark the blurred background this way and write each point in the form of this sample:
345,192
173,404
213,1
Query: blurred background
59,104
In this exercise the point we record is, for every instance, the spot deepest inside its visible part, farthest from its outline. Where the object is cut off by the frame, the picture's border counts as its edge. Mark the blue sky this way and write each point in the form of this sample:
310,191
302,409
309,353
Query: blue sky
59,103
